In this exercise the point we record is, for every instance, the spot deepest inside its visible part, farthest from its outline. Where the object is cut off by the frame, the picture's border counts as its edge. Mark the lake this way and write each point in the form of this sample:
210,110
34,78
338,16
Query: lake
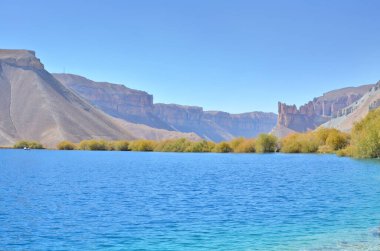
59,200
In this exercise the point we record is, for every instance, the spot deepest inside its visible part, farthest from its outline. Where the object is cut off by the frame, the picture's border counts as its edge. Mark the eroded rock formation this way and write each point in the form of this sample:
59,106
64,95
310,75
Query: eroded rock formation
138,107
36,106
348,116
318,111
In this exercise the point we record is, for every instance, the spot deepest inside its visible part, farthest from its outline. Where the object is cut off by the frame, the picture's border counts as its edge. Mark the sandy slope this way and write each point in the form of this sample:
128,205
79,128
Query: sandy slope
36,106
356,111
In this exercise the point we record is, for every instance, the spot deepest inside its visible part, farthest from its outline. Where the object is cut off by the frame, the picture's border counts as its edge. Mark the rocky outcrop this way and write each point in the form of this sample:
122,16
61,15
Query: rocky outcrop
36,106
116,100
138,107
244,124
348,116
299,120
318,111
215,125
21,58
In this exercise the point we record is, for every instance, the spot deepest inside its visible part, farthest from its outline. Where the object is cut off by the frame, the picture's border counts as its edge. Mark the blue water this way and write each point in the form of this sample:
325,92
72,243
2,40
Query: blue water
60,200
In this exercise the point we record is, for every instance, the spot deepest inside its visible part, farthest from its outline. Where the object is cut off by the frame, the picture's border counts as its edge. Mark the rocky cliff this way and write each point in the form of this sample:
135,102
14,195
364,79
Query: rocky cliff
215,125
244,124
116,100
348,116
316,112
138,107
36,106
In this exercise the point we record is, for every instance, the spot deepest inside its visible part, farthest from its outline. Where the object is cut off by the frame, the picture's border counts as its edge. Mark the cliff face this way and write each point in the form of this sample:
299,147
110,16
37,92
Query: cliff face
245,124
138,107
36,106
116,100
348,116
215,125
299,120
318,111
178,116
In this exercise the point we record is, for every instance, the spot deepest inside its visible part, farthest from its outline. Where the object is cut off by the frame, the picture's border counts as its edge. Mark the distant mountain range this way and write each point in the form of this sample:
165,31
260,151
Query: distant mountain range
36,105
323,111
348,116
49,108
138,107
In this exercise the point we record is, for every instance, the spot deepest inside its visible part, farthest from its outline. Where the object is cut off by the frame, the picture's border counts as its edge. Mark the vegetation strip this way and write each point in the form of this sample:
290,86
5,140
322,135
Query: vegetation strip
363,142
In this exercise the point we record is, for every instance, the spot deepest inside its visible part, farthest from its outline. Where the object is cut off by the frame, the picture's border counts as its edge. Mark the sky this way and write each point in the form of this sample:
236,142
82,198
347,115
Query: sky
235,56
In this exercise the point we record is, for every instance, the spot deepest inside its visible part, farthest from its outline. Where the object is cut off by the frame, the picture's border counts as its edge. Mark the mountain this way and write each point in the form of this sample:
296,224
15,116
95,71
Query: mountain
316,112
138,107
116,100
215,125
348,116
36,106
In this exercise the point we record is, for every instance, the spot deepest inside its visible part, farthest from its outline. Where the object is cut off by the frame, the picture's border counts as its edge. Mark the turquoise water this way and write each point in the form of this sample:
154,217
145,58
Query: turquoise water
57,200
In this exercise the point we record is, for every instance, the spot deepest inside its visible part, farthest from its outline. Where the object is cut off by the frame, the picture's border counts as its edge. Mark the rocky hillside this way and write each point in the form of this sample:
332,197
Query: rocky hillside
36,106
215,125
138,107
348,116
316,112
115,99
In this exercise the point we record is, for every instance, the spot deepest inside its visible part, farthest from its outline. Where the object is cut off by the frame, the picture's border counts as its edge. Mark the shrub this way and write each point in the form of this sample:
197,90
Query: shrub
172,145
201,147
266,143
66,145
348,151
325,149
120,145
365,136
223,147
337,140
93,145
142,145
236,142
291,144
21,144
247,146
28,144
322,140
322,133
300,143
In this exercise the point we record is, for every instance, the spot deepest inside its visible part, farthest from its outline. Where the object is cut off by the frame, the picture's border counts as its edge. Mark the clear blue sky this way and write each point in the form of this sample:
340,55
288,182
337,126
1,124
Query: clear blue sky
234,55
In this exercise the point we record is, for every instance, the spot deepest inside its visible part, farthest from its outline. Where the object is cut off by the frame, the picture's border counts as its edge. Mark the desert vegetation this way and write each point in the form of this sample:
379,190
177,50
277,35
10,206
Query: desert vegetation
28,144
362,142
66,145
365,138
322,140
265,143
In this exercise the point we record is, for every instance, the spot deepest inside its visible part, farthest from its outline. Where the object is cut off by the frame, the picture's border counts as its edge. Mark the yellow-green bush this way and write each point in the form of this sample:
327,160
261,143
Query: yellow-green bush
365,136
235,143
120,145
202,146
246,146
66,145
222,147
300,143
142,145
291,144
266,143
93,145
345,152
337,140
28,144
322,133
173,145
322,140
